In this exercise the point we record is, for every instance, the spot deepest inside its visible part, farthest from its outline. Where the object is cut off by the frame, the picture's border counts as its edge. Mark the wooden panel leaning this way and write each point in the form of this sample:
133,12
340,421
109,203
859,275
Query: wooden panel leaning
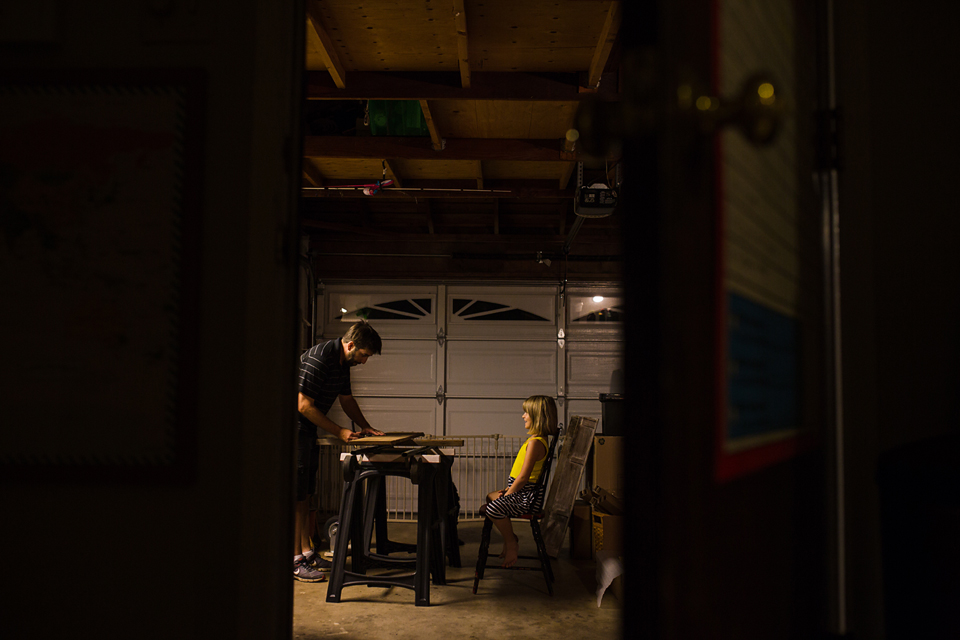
575,446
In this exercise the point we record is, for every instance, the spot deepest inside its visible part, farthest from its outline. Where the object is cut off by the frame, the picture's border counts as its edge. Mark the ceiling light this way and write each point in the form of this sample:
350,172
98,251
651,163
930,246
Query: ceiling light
598,298
342,310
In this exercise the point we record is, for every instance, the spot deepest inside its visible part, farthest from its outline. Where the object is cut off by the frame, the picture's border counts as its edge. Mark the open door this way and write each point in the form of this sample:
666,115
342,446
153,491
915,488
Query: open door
729,370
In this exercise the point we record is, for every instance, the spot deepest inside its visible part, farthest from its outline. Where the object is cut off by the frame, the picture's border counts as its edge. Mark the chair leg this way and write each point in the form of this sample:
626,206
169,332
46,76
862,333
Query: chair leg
542,552
484,550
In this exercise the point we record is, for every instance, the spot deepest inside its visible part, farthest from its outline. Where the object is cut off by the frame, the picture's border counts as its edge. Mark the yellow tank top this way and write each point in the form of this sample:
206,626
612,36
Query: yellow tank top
522,456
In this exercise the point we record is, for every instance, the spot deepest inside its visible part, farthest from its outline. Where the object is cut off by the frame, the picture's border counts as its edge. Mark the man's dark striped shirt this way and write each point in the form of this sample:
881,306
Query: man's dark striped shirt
323,378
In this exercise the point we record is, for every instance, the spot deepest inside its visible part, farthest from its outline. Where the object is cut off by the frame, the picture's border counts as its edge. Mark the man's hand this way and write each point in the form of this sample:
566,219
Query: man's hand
370,431
346,435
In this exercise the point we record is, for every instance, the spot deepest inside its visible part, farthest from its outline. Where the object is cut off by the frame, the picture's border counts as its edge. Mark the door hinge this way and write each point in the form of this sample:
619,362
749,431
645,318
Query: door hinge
441,337
440,395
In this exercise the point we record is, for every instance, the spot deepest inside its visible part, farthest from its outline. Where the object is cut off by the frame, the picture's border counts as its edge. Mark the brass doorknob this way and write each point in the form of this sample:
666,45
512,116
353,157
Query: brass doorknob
757,111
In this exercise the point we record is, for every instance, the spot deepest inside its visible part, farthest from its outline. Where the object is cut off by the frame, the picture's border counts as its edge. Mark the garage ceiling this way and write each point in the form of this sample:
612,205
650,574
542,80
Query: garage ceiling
485,188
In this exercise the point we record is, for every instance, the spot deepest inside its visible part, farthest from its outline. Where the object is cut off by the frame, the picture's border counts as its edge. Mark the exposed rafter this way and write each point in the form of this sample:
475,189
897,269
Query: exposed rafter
312,174
604,45
567,172
327,49
463,51
379,147
479,174
438,192
445,85
435,136
392,172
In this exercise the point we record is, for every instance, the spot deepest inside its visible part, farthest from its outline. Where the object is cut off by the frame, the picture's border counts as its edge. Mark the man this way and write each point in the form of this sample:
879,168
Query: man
324,377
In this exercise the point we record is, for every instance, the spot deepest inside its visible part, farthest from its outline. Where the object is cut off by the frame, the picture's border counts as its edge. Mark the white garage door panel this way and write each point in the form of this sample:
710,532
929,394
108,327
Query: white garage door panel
592,367
395,312
585,408
517,313
501,369
405,368
401,414
484,417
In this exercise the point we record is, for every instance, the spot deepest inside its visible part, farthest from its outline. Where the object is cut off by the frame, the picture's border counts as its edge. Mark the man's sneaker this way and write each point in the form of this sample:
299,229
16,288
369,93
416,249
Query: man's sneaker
318,562
305,573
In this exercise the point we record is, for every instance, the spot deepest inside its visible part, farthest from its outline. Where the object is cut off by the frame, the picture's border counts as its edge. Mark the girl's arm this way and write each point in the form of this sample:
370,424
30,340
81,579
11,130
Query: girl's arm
535,452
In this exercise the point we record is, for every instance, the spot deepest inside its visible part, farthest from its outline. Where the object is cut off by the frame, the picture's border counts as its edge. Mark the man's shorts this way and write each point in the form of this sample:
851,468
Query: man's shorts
308,462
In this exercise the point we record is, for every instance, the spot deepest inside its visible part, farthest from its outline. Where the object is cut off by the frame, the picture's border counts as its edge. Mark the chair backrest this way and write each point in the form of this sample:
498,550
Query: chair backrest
548,461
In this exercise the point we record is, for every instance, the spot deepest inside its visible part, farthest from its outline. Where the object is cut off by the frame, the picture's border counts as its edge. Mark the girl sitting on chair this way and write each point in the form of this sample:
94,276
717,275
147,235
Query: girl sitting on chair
523,494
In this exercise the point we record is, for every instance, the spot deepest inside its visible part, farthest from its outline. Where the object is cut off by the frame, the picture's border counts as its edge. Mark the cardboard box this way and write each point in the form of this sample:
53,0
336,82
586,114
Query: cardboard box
607,470
607,533
581,531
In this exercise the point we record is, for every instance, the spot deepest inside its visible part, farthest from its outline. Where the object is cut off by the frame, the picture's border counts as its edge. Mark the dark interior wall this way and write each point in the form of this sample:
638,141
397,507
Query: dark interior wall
900,274
209,558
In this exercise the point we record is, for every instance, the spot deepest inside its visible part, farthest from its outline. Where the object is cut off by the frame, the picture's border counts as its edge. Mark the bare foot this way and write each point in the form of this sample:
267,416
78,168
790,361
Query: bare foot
511,549
503,551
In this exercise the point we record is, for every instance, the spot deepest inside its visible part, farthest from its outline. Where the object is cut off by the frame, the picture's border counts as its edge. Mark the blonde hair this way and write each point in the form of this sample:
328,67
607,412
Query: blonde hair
543,415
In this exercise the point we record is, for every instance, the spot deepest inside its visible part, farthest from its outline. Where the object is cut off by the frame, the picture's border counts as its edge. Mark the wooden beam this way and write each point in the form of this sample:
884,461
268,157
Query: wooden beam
479,174
461,194
397,148
567,172
463,51
328,50
496,217
435,136
312,174
605,44
392,172
446,85
430,228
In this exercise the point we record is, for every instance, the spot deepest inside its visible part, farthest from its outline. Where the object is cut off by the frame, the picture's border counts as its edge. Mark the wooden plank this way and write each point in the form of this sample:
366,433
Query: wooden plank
567,172
463,50
437,192
396,437
605,44
312,174
327,49
440,85
479,174
563,490
392,172
527,150
435,136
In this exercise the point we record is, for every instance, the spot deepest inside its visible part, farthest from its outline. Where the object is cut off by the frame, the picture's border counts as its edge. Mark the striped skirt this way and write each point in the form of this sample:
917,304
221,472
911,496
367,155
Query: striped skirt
528,500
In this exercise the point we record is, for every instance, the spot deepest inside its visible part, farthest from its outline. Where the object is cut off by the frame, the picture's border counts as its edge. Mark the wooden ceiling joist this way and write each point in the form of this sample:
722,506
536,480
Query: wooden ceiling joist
392,173
327,49
567,172
445,85
406,193
605,44
435,136
379,147
463,51
479,174
312,174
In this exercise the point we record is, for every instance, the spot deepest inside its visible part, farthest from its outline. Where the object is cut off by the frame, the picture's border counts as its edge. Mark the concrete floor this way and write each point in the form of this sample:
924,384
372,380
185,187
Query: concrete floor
508,604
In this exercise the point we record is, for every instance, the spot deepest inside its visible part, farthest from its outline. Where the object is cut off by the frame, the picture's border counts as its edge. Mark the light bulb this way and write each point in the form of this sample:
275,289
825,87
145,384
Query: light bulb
598,298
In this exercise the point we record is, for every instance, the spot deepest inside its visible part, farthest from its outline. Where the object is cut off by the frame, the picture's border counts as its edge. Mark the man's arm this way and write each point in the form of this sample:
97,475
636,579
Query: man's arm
352,409
307,407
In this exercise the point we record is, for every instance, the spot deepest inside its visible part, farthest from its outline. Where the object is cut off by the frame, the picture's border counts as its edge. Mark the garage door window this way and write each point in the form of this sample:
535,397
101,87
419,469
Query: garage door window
409,309
468,309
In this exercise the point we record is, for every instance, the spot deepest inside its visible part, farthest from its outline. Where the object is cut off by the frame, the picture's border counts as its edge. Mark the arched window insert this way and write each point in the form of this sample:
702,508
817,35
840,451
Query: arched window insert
407,309
609,314
473,309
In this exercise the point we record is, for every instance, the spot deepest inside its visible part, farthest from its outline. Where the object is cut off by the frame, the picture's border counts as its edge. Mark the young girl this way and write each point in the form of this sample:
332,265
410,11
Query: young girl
522,495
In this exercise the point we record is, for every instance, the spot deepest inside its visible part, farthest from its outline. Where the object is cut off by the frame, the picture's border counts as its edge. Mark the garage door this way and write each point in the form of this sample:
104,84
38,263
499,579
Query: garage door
458,360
